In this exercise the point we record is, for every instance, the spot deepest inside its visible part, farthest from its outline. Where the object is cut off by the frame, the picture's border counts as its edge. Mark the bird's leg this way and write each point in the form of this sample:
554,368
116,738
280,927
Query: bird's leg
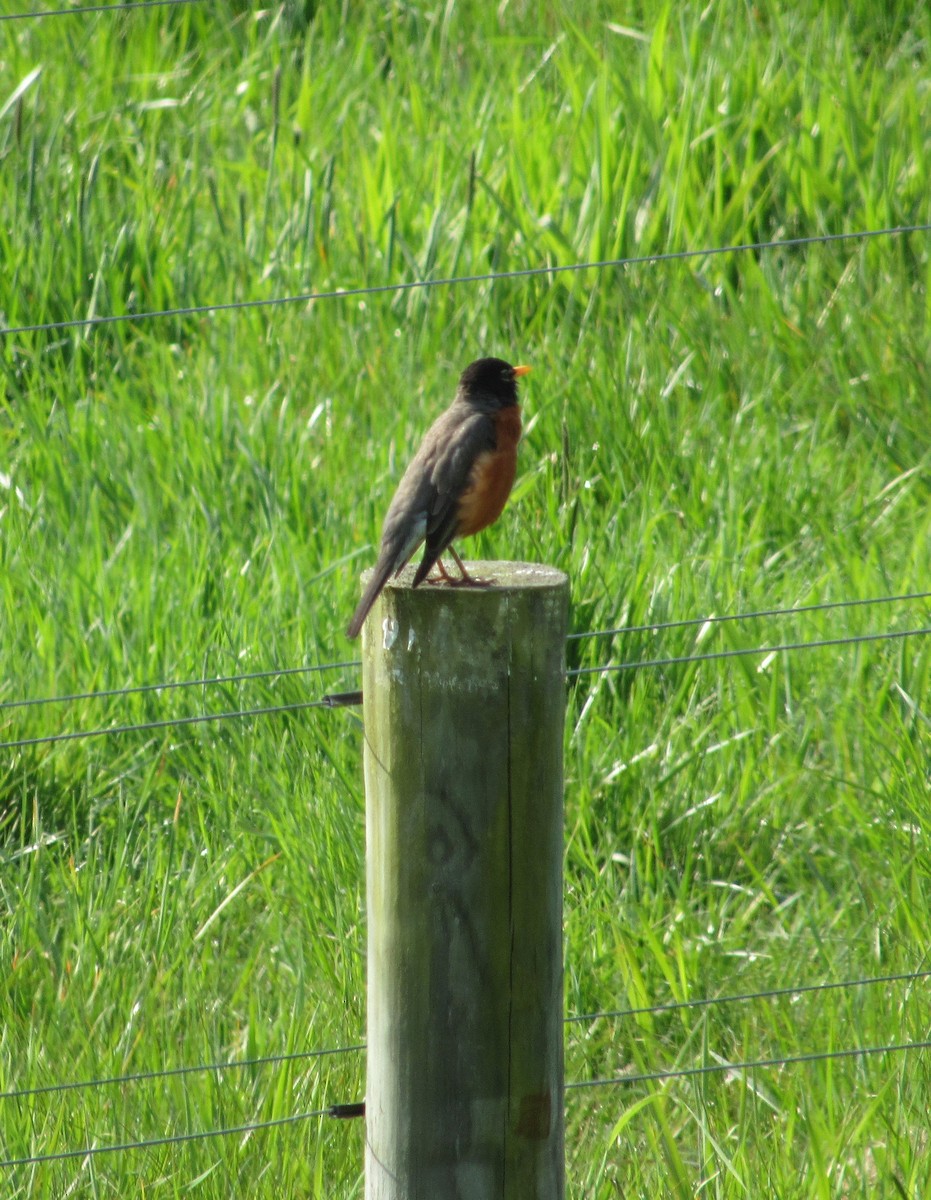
443,577
467,579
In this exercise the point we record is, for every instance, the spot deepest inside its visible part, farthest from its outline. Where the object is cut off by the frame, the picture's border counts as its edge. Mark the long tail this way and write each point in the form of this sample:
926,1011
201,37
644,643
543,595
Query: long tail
379,578
430,558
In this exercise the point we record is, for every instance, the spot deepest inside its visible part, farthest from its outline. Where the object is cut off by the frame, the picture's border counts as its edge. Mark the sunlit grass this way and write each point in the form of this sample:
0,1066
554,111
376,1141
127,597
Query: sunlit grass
195,496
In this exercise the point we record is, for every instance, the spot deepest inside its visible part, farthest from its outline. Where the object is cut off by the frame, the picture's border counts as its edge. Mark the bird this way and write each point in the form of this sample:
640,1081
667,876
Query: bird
458,481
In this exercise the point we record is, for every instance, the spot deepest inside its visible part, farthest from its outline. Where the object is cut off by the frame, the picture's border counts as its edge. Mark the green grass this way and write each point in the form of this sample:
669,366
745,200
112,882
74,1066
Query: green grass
196,496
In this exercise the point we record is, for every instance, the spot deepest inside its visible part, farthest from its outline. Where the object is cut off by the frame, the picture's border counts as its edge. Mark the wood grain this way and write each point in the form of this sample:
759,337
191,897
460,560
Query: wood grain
464,708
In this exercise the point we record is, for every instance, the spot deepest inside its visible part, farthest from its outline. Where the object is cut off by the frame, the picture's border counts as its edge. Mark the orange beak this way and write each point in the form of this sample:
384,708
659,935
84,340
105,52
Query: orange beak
518,371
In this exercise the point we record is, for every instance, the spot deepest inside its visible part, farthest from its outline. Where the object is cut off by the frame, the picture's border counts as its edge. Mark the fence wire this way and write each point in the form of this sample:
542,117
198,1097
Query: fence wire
87,9
743,652
353,664
171,685
758,614
264,1060
744,997
327,702
340,1111
166,723
360,1047
173,1139
665,256
751,1065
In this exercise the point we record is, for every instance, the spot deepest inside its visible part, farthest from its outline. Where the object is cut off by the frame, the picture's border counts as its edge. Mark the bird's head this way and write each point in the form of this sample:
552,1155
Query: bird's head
490,383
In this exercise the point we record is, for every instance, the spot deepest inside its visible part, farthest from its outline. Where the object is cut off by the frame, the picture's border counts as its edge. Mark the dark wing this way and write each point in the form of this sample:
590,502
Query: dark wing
426,500
449,478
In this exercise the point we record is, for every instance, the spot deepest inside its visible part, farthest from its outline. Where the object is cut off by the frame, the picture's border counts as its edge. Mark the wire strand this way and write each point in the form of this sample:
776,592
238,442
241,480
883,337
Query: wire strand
571,1085
173,1139
207,681
143,726
855,639
298,1055
754,1064
484,277
275,672
749,616
173,1072
742,997
86,10
576,672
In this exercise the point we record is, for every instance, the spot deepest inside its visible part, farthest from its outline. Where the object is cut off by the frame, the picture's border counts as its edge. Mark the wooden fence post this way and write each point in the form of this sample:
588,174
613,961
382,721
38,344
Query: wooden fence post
464,706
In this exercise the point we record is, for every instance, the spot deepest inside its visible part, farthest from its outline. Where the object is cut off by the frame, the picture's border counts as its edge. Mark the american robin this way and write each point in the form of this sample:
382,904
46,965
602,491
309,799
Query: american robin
457,482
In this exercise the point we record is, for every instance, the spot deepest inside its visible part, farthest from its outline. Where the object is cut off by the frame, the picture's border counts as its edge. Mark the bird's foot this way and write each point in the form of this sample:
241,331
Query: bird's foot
468,581
465,580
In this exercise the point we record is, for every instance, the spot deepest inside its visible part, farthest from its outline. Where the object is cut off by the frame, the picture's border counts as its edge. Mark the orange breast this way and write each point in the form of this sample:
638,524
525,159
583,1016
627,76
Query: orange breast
492,476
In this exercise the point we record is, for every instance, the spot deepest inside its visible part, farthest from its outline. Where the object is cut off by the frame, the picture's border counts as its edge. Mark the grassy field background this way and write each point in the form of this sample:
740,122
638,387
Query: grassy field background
196,495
